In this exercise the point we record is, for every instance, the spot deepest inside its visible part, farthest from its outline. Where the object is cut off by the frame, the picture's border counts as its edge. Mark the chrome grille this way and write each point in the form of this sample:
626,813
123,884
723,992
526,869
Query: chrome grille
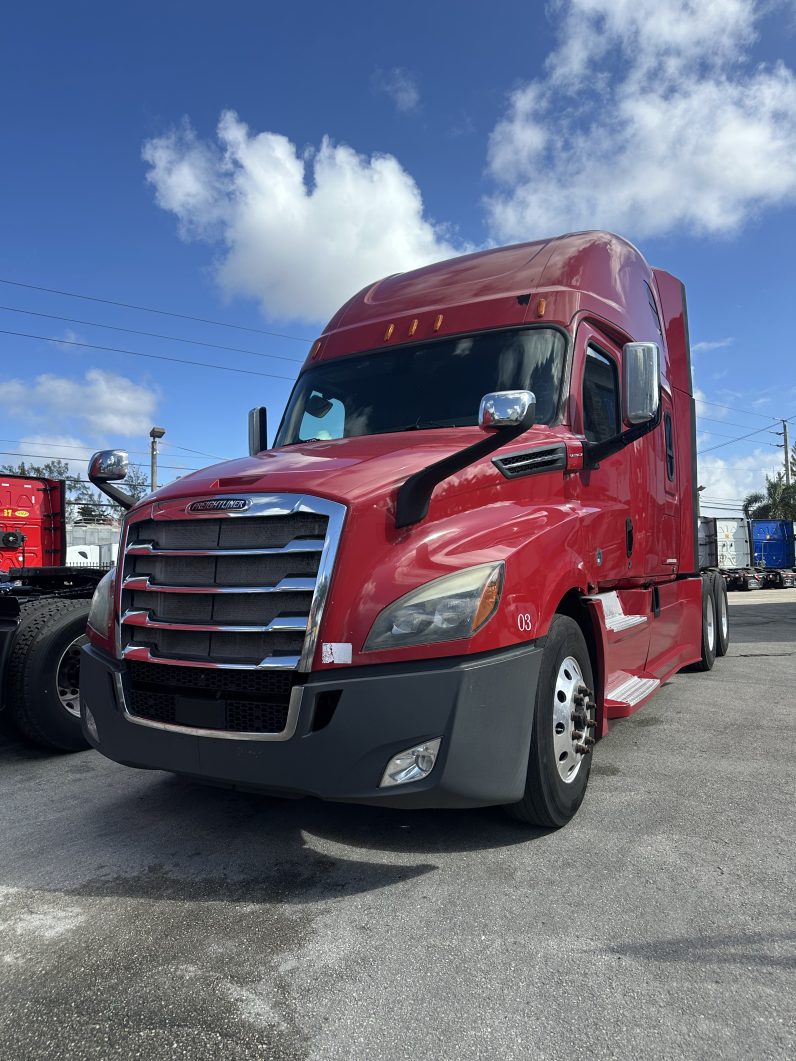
229,589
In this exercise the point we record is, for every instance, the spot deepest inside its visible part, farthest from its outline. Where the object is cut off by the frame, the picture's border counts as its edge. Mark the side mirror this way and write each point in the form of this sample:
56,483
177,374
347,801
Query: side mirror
507,409
258,430
641,382
108,466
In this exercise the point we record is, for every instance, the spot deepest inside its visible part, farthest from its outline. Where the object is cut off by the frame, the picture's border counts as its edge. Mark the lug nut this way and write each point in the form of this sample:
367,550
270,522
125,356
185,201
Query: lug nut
581,749
589,742
577,734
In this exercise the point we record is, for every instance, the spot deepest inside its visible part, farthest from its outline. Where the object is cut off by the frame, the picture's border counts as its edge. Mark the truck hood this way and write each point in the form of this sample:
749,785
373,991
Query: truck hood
349,470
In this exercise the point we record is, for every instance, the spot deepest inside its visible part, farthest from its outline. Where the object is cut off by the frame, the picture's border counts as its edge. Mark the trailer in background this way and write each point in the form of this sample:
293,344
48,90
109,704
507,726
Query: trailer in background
773,546
726,544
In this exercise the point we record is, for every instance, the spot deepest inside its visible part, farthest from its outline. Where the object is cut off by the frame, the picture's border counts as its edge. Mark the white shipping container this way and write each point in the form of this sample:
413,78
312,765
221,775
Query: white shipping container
724,543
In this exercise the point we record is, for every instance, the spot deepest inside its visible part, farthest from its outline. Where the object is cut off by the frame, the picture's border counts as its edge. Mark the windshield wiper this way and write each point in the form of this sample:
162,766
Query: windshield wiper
420,425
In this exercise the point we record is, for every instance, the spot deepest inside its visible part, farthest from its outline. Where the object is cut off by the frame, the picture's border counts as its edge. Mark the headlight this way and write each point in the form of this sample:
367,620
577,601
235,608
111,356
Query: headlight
446,609
100,614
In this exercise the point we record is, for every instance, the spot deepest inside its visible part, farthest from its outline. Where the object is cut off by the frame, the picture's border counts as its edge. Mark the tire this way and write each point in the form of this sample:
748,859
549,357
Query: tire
551,801
43,651
708,626
722,614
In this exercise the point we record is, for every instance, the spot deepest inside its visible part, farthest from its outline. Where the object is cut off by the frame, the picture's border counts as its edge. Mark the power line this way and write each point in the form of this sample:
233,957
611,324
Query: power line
85,449
201,452
151,335
139,353
56,456
150,309
734,409
740,438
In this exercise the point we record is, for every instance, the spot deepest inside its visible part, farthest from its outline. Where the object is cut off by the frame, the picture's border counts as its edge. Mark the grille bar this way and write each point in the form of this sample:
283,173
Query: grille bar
143,654
306,545
284,623
286,585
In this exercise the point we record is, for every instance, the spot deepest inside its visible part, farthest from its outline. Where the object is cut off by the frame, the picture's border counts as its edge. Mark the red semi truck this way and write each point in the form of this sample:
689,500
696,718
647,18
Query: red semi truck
473,542
44,604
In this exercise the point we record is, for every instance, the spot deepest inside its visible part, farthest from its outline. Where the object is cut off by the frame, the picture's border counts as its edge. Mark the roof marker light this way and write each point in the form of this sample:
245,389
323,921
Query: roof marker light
413,326
388,333
316,349
541,306
438,322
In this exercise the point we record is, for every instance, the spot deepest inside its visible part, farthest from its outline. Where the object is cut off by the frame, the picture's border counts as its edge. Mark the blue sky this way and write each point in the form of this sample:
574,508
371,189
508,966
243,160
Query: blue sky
256,164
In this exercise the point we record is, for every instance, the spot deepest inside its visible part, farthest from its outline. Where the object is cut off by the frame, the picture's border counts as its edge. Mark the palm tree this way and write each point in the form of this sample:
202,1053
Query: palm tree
778,502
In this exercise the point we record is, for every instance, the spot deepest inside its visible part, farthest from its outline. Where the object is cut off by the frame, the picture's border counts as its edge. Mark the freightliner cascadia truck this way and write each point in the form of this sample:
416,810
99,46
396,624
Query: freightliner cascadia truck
472,543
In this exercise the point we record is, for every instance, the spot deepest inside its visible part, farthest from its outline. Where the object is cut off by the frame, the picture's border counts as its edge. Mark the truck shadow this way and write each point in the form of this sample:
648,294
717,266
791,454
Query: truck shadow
122,833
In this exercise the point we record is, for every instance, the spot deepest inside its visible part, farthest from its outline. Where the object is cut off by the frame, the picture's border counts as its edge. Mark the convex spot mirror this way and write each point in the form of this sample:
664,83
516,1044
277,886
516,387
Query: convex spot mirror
108,466
507,409
641,382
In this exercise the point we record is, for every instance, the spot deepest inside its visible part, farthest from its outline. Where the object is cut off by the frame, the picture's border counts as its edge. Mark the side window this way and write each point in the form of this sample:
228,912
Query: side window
600,397
668,436
653,308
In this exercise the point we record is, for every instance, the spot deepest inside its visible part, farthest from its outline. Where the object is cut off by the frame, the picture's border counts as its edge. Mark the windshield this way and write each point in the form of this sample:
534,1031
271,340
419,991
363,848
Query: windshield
440,384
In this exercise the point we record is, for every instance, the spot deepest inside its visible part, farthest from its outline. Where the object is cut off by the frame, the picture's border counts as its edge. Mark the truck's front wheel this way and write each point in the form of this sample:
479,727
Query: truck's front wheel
563,730
44,673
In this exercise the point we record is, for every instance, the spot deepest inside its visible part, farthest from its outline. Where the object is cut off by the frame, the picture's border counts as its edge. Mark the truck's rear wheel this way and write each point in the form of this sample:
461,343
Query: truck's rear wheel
563,730
708,625
722,614
44,674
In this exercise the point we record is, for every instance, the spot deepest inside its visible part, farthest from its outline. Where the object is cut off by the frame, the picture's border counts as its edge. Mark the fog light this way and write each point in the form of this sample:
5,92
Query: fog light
91,726
412,765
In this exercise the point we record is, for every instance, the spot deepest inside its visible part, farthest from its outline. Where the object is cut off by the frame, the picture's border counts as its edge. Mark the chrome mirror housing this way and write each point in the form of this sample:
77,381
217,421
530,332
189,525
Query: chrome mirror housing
108,466
641,382
507,409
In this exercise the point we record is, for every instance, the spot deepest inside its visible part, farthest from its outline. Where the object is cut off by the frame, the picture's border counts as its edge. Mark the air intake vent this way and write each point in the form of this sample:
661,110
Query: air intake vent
532,461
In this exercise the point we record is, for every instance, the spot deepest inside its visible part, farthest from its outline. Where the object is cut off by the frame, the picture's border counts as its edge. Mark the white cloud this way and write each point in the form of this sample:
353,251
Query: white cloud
400,85
102,403
711,344
730,479
67,340
650,119
40,448
301,233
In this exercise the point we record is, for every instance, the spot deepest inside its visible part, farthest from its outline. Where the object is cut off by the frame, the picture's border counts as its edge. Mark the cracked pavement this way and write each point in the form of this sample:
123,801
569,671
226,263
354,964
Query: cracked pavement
145,916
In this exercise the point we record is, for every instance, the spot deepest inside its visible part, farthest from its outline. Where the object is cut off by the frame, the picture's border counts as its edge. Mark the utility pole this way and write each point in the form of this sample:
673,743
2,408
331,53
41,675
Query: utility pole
786,445
154,434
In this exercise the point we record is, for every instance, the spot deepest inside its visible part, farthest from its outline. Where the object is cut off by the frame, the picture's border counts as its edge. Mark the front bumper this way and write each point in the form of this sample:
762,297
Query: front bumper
481,706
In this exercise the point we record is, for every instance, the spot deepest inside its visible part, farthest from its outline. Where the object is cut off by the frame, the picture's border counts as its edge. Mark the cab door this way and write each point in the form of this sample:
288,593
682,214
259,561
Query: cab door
610,518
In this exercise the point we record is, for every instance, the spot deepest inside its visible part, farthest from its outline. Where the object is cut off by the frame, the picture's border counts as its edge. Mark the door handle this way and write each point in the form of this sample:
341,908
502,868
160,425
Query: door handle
629,537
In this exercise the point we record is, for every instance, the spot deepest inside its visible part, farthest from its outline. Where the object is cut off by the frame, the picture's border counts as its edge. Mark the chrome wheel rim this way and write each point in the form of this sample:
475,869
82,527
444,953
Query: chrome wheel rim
711,629
568,760
67,677
724,618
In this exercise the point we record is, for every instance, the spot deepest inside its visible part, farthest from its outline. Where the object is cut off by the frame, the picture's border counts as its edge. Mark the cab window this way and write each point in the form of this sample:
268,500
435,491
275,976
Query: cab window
600,397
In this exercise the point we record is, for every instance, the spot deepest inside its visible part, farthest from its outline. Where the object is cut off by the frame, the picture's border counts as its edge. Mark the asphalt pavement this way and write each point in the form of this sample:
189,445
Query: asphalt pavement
145,916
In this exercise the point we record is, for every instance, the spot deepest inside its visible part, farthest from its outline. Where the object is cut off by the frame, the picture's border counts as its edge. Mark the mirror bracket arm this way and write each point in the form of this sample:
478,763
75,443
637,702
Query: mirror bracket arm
115,494
594,452
414,495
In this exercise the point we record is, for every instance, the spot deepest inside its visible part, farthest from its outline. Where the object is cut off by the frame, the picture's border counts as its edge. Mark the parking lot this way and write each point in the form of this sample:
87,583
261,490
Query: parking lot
144,916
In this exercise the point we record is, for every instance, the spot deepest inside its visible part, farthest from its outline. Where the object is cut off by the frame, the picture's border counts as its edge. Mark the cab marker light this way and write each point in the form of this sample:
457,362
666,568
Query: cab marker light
388,333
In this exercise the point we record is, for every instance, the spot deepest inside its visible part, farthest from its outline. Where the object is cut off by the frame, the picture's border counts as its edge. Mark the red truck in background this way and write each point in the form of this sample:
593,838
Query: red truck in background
473,542
44,604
